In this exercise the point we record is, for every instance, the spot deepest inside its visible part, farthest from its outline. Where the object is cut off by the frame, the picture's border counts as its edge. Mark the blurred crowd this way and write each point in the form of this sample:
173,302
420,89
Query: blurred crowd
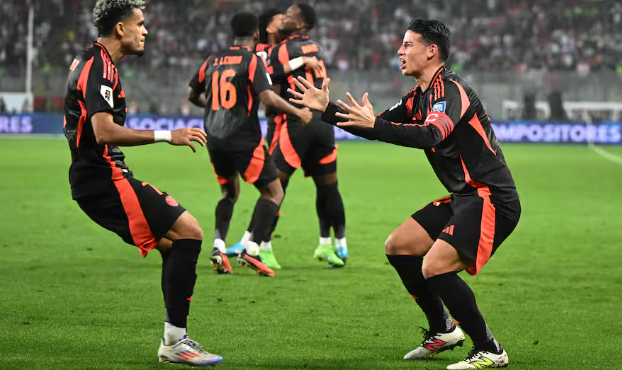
491,35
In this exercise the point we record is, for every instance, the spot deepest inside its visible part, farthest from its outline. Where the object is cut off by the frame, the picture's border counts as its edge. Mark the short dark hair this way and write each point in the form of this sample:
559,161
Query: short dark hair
264,20
308,15
244,25
433,32
107,13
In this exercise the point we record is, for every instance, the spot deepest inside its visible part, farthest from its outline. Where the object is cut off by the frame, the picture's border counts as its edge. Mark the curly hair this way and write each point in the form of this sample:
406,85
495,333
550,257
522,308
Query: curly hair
244,25
107,13
308,15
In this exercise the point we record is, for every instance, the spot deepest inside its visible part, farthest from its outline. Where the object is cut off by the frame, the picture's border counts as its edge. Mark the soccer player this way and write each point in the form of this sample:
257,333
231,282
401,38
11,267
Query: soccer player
312,146
105,188
443,116
230,85
269,36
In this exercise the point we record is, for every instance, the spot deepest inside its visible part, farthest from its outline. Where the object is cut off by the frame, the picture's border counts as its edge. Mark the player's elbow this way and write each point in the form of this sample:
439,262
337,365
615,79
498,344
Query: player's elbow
102,139
193,97
266,98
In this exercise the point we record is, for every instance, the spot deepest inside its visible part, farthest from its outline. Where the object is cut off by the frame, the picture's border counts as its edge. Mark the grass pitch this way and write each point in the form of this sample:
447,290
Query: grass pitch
74,296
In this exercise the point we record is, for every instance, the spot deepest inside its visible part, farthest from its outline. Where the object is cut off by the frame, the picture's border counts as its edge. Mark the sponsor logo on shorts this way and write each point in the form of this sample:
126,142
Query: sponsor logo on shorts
171,202
449,230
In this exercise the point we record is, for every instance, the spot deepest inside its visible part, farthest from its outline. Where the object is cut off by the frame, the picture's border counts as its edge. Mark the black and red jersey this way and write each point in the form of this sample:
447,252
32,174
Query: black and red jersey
264,50
93,86
296,45
450,123
232,81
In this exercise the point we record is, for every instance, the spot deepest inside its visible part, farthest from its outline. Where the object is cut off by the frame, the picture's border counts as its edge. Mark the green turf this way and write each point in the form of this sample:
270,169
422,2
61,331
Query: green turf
73,296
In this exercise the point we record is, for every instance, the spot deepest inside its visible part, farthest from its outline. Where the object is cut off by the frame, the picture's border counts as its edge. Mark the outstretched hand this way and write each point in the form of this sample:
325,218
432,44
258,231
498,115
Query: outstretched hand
185,136
309,95
357,116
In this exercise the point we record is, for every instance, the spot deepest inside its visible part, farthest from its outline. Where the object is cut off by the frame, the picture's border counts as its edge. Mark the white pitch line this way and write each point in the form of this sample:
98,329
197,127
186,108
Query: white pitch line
605,154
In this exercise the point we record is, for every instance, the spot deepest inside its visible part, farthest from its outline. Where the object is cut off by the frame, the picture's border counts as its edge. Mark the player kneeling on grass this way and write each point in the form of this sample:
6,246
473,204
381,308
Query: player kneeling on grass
443,116
105,188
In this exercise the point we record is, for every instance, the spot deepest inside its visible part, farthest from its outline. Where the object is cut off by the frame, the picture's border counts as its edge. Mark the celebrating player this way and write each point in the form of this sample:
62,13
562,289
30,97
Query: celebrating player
230,85
269,37
105,188
443,116
311,146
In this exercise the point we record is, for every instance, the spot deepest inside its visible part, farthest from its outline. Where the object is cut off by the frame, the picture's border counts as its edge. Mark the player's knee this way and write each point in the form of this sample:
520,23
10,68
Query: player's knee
325,180
230,192
399,245
391,245
273,192
188,228
330,179
194,231
432,268
284,179
278,194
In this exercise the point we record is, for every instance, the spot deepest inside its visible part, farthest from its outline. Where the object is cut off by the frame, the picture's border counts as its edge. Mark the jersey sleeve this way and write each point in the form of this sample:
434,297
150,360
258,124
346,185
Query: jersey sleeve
413,135
449,109
401,112
445,113
99,90
279,57
197,83
258,76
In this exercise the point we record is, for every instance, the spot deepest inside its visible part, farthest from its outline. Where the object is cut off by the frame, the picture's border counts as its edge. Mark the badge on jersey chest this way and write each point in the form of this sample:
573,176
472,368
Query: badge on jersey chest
439,107
106,92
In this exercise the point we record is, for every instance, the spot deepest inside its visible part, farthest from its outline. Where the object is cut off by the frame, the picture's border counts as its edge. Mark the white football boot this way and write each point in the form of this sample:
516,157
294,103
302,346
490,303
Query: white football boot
481,360
187,352
435,343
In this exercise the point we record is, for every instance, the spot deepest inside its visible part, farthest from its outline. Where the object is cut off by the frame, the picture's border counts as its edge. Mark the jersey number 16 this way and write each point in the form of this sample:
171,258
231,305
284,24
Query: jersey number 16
223,90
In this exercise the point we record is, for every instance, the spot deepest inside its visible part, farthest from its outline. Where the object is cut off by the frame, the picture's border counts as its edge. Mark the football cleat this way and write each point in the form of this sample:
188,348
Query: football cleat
253,260
435,343
267,257
342,252
220,262
187,352
481,360
325,252
235,249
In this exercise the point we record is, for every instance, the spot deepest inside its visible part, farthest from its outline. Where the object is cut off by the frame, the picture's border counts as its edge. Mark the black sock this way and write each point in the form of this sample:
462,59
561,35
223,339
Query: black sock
330,210
275,222
179,276
409,269
264,214
278,213
460,300
224,212
336,211
164,261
